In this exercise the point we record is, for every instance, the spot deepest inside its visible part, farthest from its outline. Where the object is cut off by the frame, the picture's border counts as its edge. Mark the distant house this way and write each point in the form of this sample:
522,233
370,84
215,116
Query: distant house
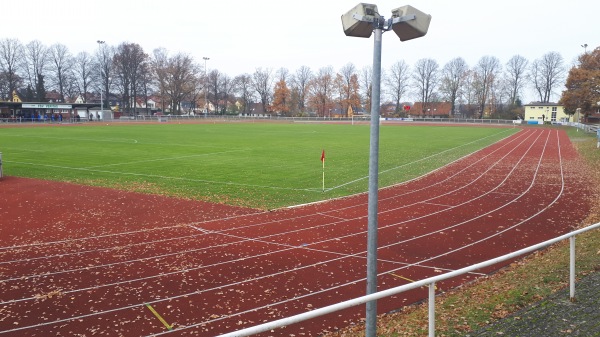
53,97
356,111
431,110
387,110
545,112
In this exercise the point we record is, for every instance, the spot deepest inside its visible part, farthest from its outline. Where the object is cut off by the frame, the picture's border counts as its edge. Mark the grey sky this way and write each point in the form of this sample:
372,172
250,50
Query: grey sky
242,35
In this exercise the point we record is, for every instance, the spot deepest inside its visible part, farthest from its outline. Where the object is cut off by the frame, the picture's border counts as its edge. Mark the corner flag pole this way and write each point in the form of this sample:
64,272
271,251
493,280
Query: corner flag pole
323,161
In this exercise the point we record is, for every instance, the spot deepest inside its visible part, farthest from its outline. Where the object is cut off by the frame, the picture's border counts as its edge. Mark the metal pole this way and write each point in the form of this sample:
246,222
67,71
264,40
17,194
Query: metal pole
572,268
432,310
371,312
205,88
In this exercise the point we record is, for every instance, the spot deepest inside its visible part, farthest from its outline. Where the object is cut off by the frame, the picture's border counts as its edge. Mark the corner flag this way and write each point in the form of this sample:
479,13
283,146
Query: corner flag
323,161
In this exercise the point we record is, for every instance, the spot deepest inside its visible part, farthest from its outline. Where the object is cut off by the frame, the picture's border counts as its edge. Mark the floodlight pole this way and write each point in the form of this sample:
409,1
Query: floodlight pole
371,310
362,21
205,87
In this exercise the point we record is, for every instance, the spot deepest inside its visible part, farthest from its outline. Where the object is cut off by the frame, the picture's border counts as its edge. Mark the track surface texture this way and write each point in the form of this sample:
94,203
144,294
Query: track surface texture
85,261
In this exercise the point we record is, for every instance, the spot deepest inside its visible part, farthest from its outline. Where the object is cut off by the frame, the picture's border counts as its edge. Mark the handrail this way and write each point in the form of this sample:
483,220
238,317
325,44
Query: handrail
430,282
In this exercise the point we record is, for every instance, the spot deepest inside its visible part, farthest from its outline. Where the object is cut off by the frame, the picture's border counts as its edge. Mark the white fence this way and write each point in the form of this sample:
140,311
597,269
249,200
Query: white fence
236,118
430,282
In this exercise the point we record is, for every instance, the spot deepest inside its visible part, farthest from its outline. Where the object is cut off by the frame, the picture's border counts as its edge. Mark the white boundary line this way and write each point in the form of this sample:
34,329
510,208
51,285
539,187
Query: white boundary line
344,255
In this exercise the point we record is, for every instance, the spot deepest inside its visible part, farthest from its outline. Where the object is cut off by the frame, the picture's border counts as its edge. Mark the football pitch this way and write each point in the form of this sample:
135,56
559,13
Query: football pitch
260,165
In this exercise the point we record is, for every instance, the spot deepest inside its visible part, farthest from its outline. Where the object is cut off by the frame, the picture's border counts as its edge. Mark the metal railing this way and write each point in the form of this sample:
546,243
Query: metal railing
226,118
429,282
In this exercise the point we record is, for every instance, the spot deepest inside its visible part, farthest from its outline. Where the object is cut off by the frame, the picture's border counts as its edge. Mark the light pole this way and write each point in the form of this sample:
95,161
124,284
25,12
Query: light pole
100,43
408,23
584,48
205,87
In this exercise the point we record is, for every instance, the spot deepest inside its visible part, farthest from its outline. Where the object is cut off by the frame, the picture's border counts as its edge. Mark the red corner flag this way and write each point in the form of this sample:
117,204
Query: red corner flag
323,161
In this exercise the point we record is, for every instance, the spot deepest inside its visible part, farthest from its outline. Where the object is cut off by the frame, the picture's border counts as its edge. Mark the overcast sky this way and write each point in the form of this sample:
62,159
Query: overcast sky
241,35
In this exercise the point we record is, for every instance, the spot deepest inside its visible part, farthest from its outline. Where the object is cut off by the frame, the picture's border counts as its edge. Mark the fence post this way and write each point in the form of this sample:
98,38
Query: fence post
572,268
432,309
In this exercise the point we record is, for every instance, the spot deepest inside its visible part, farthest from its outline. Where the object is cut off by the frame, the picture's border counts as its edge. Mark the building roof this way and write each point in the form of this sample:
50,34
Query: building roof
542,104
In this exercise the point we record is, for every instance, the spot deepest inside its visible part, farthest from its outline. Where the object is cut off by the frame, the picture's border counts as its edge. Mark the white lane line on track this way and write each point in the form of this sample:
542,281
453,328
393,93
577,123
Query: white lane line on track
127,233
246,239
332,216
117,263
229,217
262,224
112,310
260,212
435,204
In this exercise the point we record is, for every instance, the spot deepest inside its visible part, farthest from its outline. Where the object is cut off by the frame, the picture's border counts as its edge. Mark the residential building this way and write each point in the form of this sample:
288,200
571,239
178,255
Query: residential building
545,112
431,110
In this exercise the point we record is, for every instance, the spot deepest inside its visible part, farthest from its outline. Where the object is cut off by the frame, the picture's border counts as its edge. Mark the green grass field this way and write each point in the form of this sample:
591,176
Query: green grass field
258,165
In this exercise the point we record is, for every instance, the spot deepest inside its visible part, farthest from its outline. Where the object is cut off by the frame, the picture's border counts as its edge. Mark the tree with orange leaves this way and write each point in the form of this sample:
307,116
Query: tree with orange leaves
281,98
583,85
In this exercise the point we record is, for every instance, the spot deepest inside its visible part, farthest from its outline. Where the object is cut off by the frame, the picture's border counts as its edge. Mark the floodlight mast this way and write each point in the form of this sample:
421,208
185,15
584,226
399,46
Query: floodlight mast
373,198
408,23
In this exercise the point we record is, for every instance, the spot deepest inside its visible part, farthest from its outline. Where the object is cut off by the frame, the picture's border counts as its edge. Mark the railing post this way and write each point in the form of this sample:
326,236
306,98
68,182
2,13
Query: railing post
572,268
432,309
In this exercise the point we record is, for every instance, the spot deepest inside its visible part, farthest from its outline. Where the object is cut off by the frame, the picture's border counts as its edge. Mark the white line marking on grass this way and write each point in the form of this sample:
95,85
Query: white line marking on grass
105,140
310,293
166,177
251,214
163,159
420,160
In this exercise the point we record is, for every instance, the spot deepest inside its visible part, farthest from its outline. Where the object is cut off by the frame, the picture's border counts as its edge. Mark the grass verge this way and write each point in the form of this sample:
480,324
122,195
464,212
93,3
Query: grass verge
521,284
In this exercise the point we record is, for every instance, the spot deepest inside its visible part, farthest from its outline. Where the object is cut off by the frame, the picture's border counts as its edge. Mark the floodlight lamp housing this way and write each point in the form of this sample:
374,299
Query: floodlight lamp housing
358,22
414,27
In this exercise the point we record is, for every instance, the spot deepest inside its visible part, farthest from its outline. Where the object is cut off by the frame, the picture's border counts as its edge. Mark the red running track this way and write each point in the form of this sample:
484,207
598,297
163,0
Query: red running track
204,269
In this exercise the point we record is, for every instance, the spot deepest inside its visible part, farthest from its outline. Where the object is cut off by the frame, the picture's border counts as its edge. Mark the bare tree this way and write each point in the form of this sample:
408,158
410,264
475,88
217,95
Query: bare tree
182,78
486,75
321,89
426,77
159,66
348,87
453,77
220,87
243,87
262,82
227,90
61,68
468,98
397,82
34,65
128,62
213,82
366,78
82,71
300,85
546,73
11,57
283,74
145,83
104,70
515,77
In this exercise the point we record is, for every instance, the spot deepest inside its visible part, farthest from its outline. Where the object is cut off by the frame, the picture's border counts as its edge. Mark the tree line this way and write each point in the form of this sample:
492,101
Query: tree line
487,88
